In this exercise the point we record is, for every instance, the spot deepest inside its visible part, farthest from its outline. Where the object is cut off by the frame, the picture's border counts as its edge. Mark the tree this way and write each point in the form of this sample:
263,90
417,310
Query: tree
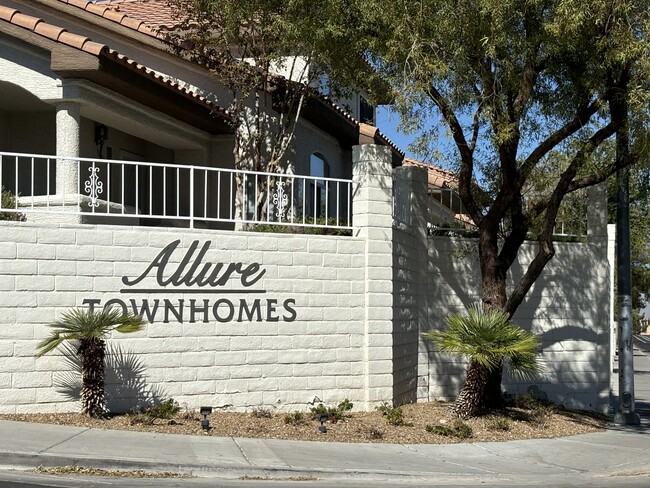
487,338
513,81
257,52
240,46
87,331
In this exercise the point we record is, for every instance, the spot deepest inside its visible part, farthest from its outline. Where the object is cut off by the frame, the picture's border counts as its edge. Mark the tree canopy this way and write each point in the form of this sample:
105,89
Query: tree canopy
514,82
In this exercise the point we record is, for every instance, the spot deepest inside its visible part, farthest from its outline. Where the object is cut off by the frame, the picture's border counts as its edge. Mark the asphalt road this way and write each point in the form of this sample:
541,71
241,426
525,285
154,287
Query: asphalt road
642,342
16,479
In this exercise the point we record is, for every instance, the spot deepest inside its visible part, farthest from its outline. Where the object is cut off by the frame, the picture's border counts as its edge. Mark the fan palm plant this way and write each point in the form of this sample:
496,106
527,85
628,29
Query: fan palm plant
88,330
487,339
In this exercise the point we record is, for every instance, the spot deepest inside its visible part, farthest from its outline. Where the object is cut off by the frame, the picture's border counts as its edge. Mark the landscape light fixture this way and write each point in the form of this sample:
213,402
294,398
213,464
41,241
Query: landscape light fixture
205,423
322,418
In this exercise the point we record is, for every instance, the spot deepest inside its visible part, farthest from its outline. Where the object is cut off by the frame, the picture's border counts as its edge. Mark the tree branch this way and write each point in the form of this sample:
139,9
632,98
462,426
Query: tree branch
581,117
546,249
466,173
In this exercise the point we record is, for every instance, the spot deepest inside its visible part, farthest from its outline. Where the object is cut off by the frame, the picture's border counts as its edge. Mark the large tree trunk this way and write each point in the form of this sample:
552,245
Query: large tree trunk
470,399
92,353
493,296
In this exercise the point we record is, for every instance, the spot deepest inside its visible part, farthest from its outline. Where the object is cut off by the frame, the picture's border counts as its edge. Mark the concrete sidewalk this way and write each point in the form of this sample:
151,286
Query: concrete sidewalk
619,451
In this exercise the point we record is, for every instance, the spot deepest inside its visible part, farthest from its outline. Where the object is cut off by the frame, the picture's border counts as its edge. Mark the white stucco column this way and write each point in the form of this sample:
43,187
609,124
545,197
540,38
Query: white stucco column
68,117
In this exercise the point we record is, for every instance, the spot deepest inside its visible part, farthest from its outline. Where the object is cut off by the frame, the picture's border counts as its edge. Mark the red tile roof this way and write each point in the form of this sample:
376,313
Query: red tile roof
146,16
150,16
437,176
58,34
85,44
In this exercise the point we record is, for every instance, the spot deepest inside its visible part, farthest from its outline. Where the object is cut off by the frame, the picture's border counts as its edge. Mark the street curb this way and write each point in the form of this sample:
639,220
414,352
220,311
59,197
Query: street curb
24,460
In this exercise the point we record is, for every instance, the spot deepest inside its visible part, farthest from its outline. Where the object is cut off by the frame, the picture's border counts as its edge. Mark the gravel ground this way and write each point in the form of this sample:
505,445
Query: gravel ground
419,420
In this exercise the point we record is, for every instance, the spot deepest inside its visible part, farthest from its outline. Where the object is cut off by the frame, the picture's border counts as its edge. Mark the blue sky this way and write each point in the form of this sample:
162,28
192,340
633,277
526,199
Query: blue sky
387,123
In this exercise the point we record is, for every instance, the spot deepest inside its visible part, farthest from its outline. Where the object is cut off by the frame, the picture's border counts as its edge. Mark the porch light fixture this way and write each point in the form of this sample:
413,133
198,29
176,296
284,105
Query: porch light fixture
101,134
205,423
322,418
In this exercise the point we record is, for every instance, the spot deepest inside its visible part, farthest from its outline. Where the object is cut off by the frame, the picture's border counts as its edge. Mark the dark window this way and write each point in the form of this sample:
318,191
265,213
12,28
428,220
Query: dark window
318,189
366,111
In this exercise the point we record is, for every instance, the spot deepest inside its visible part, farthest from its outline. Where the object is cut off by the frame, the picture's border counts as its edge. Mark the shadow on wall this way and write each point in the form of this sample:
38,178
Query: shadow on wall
452,284
568,307
408,294
126,389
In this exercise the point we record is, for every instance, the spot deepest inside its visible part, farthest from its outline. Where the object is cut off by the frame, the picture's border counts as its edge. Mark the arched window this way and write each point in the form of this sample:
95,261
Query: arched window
317,204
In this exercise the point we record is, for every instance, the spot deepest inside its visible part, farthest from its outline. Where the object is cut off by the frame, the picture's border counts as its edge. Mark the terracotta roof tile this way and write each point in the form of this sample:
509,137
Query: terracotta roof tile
114,16
71,40
155,13
58,34
132,23
48,30
437,176
146,16
55,33
26,21
7,13
76,3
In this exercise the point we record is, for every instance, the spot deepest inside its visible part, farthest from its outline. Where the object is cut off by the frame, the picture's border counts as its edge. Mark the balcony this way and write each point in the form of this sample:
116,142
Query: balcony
168,195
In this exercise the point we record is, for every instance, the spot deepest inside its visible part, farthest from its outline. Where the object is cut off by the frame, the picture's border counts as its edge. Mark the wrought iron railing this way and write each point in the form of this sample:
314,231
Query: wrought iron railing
168,194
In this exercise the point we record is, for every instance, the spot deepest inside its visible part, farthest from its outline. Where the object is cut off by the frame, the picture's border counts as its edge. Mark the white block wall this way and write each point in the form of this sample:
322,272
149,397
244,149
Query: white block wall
46,269
568,307
361,304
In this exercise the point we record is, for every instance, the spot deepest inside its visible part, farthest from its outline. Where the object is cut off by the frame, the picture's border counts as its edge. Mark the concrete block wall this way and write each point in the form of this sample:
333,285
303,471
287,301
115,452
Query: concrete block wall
285,354
409,278
568,307
302,319
298,320
372,210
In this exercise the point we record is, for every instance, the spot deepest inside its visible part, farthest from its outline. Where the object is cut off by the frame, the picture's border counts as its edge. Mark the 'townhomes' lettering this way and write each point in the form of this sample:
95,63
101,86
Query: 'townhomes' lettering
192,275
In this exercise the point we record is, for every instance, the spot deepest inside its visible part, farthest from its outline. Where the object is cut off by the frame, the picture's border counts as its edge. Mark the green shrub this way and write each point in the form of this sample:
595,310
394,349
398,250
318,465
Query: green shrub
442,430
461,429
295,418
458,429
498,423
346,405
163,410
8,200
262,412
527,402
394,415
336,413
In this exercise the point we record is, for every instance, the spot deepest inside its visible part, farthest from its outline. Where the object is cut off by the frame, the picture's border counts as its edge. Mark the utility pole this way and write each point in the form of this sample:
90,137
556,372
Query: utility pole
625,414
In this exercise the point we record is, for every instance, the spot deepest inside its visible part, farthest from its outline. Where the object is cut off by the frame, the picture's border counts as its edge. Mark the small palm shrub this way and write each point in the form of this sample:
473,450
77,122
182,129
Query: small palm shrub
488,339
87,331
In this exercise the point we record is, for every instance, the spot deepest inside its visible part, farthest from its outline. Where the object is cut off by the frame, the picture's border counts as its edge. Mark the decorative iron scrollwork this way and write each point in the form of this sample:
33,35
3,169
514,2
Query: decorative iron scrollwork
281,201
93,186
